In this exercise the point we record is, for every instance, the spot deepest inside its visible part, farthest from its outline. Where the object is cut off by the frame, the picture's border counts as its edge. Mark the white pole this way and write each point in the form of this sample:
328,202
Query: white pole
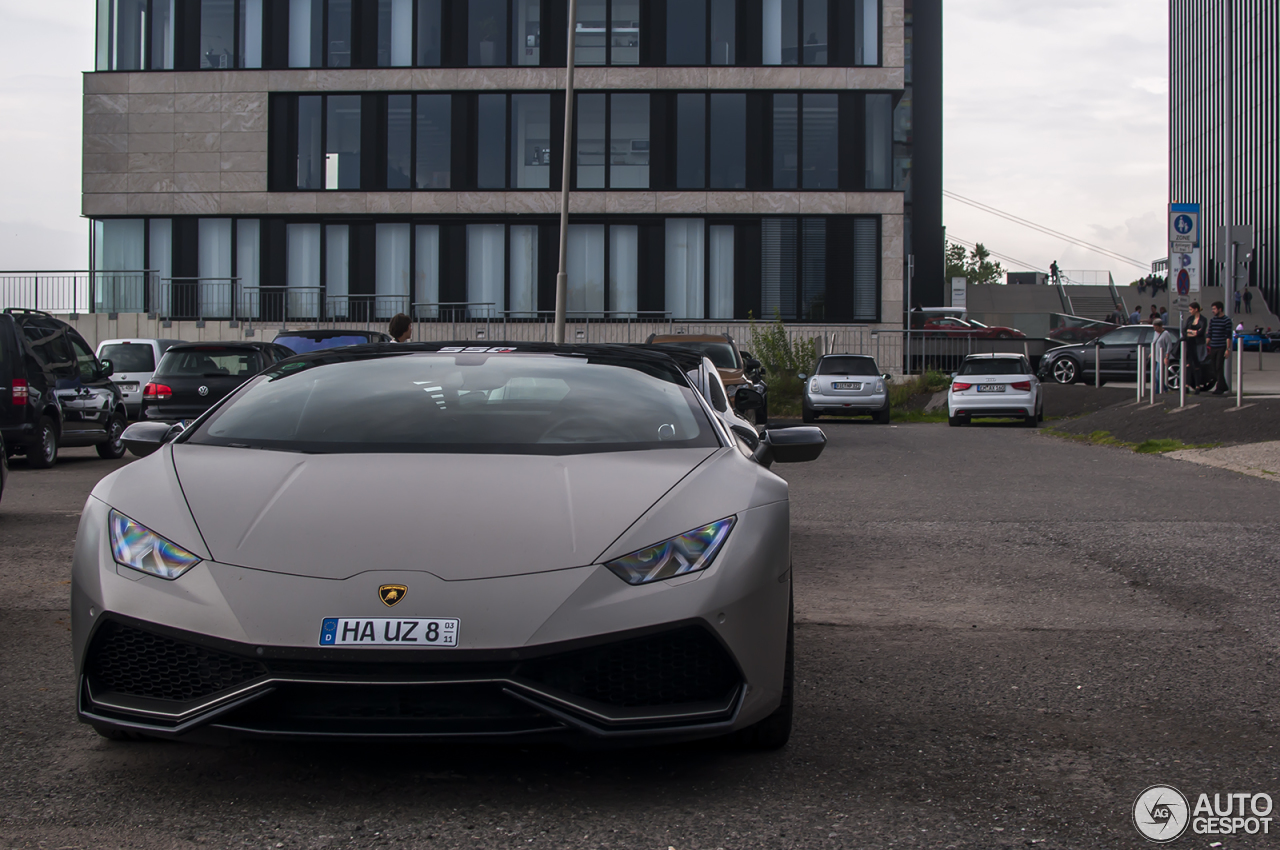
1155,374
1097,366
562,278
1239,370
1182,373
1141,351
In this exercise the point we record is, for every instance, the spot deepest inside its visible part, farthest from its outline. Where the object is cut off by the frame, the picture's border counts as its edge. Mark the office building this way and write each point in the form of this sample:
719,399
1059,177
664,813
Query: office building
1199,57
345,160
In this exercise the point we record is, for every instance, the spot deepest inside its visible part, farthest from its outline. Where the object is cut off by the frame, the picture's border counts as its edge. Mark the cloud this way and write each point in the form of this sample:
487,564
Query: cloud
1058,113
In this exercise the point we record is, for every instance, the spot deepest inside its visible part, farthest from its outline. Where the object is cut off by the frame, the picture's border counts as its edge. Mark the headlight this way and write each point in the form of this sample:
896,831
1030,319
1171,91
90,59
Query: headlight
688,553
139,548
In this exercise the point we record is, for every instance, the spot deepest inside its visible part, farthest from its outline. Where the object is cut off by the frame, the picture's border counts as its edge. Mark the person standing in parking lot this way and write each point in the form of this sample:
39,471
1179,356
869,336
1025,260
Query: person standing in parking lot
400,328
1162,348
1219,344
1193,334
1135,318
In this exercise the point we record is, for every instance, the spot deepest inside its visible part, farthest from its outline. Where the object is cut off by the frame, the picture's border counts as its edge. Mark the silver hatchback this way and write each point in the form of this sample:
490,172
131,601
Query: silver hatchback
846,385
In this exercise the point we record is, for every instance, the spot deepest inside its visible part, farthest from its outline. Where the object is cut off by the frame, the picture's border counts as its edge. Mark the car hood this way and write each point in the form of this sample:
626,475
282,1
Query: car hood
455,516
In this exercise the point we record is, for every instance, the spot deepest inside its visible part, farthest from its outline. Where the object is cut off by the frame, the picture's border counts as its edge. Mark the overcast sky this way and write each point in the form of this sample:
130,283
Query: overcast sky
1055,112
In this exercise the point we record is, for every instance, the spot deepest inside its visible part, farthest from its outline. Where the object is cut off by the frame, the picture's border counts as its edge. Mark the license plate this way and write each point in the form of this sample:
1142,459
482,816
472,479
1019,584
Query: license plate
128,388
388,631
846,385
991,388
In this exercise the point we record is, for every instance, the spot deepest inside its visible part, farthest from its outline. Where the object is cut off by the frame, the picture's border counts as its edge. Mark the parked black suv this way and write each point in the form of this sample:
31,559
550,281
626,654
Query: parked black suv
192,376
53,391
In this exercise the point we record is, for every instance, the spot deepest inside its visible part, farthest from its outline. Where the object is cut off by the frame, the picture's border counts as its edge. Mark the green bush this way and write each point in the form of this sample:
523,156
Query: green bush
784,360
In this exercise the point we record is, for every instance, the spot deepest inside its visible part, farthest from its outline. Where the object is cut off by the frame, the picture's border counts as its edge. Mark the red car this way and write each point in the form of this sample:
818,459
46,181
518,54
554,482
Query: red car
959,328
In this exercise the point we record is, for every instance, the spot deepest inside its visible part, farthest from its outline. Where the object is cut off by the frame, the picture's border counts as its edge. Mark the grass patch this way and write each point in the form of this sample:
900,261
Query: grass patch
897,414
1146,447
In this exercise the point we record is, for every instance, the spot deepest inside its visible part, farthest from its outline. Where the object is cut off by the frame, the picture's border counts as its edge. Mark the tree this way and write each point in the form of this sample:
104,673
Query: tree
976,265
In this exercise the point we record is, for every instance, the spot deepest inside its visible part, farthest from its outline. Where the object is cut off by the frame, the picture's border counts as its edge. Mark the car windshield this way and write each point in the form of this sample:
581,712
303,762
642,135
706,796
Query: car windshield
847,366
129,357
722,354
208,362
303,344
975,323
994,366
507,403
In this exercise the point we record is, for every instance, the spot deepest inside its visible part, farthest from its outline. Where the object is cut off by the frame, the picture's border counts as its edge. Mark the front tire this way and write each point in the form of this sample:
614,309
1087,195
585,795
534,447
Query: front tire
774,731
1065,371
113,448
43,451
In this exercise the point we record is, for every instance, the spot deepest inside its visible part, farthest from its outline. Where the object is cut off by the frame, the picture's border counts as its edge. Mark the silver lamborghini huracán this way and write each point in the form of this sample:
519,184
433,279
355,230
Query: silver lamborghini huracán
428,541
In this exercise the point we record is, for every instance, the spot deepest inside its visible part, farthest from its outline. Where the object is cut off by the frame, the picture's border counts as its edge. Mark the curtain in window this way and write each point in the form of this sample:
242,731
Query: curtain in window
821,141
721,272
391,272
778,267
786,152
302,269
248,266
337,271
624,268
486,269
119,246
866,257
214,264
685,263
426,287
813,269
161,263
524,269
586,268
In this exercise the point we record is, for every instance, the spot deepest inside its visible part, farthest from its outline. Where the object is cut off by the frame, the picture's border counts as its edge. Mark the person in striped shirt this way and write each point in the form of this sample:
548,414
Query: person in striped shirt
1218,340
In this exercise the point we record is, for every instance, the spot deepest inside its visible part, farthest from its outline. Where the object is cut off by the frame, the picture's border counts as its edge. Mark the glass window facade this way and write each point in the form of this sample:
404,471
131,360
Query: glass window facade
135,35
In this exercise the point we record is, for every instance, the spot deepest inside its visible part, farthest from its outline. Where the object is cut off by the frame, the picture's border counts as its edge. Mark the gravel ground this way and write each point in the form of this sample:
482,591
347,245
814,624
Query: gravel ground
1205,419
1002,639
1258,459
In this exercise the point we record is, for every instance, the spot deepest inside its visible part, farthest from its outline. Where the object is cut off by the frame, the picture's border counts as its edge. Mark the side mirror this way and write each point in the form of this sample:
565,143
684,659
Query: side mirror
887,376
106,368
802,376
747,398
954,375
748,435
791,445
144,438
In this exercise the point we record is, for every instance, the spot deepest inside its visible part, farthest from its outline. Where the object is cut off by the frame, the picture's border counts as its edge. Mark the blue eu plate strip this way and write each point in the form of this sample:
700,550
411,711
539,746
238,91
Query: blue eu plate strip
328,631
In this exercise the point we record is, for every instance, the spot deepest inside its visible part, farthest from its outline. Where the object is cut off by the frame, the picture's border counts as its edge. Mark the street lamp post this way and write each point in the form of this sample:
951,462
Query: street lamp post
562,277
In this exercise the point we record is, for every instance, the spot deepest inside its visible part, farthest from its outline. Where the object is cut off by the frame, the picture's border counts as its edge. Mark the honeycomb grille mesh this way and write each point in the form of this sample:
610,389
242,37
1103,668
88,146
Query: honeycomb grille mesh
137,663
684,666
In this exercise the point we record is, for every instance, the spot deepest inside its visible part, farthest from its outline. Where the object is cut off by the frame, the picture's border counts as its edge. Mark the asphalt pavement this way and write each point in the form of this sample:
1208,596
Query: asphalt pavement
1002,638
